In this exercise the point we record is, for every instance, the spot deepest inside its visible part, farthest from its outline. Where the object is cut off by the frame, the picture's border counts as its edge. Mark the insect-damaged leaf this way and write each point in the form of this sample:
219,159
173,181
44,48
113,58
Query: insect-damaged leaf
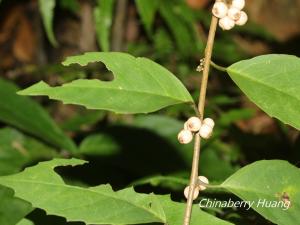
97,205
140,85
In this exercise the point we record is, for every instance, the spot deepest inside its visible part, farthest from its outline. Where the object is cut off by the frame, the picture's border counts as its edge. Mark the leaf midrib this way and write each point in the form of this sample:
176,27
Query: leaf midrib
243,75
89,190
136,62
126,90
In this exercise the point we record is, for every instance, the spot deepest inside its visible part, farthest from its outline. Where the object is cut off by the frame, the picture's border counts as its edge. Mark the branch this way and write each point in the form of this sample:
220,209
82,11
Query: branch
201,104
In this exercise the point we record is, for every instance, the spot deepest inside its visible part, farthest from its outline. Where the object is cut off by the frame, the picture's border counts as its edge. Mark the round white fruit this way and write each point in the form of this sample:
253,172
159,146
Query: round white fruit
185,136
210,122
205,131
193,124
226,23
204,180
220,9
239,4
185,126
242,20
196,192
234,13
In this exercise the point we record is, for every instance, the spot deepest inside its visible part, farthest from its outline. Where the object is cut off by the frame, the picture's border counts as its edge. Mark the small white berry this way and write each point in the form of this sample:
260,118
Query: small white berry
185,126
205,131
239,4
242,20
185,136
234,13
196,192
210,122
193,124
226,23
220,9
202,179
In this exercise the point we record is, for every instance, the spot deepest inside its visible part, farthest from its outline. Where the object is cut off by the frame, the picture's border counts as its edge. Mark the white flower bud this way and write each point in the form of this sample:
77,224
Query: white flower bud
234,13
196,192
205,131
193,124
226,23
239,4
185,137
210,122
242,20
202,179
220,9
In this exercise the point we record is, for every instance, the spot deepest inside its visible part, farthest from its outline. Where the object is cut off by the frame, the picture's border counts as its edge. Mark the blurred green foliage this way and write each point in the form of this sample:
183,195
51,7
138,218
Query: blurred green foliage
140,151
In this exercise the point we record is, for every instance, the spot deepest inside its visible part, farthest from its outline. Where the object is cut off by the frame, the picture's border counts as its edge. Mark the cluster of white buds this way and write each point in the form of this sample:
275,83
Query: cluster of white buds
191,126
201,66
194,125
230,15
201,186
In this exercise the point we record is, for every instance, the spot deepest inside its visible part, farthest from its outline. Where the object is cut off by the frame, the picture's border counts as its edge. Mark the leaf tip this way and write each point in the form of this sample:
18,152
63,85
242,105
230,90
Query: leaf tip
34,89
66,62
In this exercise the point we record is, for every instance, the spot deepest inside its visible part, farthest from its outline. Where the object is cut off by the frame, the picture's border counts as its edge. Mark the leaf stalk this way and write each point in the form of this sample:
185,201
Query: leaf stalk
218,67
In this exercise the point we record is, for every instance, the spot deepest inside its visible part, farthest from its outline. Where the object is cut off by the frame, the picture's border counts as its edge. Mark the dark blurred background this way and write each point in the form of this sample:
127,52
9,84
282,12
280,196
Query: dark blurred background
35,37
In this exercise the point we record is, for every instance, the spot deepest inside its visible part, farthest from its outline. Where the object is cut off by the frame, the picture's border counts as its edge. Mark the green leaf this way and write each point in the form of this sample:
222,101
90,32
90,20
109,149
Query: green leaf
273,83
183,32
82,121
163,44
171,182
15,152
175,212
96,205
18,150
47,12
234,115
25,222
272,180
103,14
30,117
12,209
99,144
140,85
147,10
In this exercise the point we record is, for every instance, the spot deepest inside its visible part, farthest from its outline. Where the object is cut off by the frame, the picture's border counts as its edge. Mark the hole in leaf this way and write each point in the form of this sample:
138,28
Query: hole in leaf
98,71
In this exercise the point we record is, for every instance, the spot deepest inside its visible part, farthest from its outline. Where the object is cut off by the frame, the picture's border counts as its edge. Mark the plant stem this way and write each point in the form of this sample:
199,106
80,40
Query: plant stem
201,104
218,67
